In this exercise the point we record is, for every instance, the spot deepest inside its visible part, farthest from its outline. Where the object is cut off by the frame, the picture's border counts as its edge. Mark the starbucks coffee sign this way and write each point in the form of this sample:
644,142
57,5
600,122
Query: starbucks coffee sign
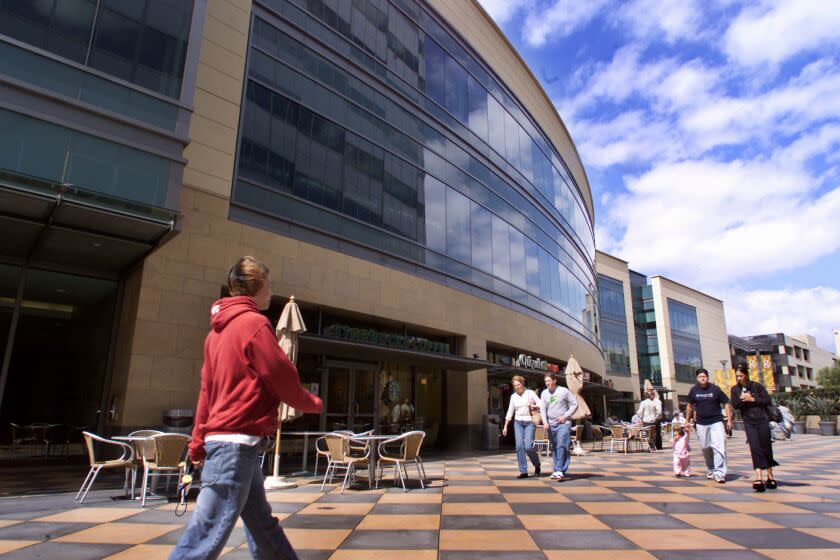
535,363
370,336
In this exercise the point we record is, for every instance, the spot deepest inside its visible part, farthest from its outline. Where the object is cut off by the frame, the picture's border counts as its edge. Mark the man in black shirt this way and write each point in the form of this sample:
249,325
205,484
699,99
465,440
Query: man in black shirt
704,403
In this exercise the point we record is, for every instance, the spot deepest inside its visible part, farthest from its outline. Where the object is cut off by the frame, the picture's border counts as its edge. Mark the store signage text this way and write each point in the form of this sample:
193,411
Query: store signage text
369,336
535,363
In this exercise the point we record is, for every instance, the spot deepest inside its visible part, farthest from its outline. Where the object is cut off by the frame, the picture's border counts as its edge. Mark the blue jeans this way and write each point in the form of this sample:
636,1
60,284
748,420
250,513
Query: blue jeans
524,433
713,442
232,485
560,438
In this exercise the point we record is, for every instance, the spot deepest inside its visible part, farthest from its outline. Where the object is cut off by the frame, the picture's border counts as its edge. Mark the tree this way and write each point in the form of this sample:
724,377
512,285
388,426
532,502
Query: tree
829,377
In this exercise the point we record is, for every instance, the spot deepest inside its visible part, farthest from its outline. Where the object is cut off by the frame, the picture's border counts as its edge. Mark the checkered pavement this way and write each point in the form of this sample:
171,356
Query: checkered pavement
611,506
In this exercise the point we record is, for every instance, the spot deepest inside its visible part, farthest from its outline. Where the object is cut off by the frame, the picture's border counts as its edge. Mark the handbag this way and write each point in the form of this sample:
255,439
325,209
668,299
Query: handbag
773,413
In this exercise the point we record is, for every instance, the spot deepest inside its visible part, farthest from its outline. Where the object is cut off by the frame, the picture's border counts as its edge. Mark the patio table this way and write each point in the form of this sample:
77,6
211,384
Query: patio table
374,453
305,435
134,440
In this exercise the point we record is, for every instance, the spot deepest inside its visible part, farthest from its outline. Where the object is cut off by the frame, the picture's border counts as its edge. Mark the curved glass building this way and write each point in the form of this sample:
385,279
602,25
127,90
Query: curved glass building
394,162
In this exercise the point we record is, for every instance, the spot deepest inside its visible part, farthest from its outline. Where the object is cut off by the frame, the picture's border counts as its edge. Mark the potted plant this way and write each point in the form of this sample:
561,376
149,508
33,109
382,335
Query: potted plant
796,405
823,407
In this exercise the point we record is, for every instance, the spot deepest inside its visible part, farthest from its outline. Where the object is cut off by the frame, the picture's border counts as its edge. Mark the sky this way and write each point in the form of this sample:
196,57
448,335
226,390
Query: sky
710,134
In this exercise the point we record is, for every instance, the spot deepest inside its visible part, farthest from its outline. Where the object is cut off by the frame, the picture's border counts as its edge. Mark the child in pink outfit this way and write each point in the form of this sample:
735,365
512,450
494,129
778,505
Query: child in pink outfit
682,453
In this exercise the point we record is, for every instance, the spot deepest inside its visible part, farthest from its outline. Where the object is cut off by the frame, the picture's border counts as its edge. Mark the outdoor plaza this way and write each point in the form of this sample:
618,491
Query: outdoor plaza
472,507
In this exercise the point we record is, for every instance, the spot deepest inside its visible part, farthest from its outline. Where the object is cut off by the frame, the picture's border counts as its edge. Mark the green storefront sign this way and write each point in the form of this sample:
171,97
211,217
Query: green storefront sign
369,336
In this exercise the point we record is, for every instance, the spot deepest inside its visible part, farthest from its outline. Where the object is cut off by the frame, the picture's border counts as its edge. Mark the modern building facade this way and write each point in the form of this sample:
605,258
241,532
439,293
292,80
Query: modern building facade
796,359
662,329
394,162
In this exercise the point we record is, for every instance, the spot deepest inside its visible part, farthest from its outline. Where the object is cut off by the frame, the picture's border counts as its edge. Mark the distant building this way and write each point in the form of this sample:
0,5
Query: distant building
671,330
796,358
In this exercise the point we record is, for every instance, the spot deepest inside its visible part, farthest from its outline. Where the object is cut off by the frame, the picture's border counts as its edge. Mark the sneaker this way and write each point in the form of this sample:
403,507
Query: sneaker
678,475
559,476
710,475
720,479
537,470
522,475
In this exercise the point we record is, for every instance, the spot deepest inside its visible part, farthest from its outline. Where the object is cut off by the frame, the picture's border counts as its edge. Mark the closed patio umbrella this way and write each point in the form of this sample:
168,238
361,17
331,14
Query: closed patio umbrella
290,324
574,381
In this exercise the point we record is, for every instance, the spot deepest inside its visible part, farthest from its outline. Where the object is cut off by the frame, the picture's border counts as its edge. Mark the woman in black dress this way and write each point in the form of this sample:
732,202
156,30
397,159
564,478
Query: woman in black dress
751,399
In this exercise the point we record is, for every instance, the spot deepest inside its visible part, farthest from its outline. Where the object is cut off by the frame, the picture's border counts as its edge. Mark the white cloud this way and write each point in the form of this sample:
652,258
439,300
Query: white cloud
559,18
629,137
502,10
814,311
673,19
775,31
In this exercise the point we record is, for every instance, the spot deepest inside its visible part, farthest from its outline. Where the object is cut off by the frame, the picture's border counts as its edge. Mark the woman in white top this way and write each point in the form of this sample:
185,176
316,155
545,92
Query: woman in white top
523,426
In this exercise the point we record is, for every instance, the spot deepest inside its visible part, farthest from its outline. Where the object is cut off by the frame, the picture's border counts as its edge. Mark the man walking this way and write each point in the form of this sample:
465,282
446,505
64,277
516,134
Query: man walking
704,403
557,406
650,412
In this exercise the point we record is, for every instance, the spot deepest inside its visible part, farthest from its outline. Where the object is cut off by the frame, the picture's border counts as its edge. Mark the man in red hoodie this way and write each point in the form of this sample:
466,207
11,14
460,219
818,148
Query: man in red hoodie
244,379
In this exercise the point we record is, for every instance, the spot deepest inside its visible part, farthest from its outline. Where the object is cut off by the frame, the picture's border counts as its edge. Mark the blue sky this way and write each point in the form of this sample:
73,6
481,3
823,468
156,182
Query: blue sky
710,132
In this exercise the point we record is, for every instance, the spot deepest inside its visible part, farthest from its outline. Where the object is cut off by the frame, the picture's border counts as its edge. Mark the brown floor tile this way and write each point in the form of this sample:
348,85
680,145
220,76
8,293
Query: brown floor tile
699,489
487,540
536,497
384,554
410,498
798,554
571,522
293,497
725,521
477,509
760,507
677,539
90,515
316,539
151,552
788,497
471,490
337,508
400,522
467,477
663,497
120,533
618,508
565,489
8,546
8,522
623,483
598,555
832,535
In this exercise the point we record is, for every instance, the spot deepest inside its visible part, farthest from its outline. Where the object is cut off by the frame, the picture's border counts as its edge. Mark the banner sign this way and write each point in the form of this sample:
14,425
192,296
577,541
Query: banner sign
725,379
370,336
767,368
752,367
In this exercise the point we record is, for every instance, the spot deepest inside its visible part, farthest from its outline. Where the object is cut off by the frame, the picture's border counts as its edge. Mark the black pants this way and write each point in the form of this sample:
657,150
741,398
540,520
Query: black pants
656,433
761,446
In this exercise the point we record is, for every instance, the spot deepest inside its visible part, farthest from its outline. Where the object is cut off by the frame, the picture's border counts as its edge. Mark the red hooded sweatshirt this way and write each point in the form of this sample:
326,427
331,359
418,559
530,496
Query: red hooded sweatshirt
245,376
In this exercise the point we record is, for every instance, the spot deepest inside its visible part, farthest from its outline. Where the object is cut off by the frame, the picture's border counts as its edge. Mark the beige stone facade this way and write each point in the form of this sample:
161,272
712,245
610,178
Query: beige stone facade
165,314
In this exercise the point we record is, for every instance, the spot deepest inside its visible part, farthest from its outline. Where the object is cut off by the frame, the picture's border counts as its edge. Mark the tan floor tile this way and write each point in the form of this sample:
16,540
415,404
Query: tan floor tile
90,515
466,469
316,539
647,477
597,555
709,521
410,498
832,535
760,507
516,482
467,477
477,509
582,489
698,489
151,552
400,522
9,522
623,483
618,508
837,515
471,490
8,546
486,540
571,522
337,508
122,533
293,497
789,497
798,554
664,497
384,554
535,497
677,539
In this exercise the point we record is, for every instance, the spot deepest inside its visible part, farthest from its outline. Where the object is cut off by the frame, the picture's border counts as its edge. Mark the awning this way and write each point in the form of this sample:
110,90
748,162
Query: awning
339,348
73,228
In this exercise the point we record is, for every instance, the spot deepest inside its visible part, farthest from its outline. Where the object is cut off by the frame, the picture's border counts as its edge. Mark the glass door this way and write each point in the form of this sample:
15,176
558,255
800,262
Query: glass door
364,385
338,399
351,402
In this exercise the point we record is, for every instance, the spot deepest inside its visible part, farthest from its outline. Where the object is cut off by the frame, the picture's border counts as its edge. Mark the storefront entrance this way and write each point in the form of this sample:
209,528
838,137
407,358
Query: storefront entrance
351,396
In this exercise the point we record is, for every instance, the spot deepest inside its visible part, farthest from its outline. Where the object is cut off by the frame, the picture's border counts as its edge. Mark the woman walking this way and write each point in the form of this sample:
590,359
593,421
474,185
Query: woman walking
751,399
519,411
244,378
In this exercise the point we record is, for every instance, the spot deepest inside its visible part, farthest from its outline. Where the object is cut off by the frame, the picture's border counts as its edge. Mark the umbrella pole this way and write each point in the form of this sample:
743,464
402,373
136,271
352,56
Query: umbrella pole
277,482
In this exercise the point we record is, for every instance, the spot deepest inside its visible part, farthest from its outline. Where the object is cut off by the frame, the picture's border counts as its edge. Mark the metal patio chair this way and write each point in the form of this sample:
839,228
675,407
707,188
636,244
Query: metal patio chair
341,458
410,443
619,438
125,461
166,456
541,443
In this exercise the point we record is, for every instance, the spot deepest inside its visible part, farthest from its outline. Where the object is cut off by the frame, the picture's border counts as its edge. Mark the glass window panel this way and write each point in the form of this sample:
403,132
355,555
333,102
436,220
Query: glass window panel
435,193
496,125
511,140
115,44
477,107
481,237
456,90
518,267
457,225
36,148
526,161
399,206
683,318
434,59
532,266
501,248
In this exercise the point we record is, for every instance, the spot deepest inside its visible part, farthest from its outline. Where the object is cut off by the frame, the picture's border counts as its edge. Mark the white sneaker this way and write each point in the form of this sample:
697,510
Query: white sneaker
557,475
710,475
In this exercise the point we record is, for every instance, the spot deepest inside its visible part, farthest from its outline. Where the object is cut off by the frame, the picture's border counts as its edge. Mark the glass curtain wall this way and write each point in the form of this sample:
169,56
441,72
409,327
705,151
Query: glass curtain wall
613,325
685,339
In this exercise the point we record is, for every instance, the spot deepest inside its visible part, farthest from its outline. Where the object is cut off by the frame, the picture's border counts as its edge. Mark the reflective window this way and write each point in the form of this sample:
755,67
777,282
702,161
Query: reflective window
435,193
362,182
477,108
611,298
435,65
685,339
456,90
481,238
457,225
518,268
59,26
501,248
496,124
683,318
